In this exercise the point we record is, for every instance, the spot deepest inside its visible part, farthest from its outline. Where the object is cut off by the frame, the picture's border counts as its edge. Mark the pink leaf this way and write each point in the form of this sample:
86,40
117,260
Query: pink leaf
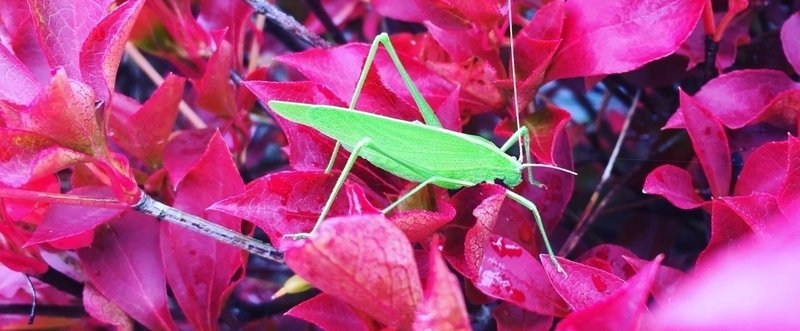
65,221
789,195
104,45
63,26
329,313
751,287
510,273
735,217
710,143
675,185
666,280
442,307
365,261
512,318
610,257
188,255
582,286
791,45
284,203
608,37
17,83
124,265
737,98
144,132
622,310
183,151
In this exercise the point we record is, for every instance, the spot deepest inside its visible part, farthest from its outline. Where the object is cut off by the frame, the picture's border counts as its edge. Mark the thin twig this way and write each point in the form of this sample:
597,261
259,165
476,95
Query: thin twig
277,17
32,315
43,310
319,11
255,48
586,218
150,206
156,78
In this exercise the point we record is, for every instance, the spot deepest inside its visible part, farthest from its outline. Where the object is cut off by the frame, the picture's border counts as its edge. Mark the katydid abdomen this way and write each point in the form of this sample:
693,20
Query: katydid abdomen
410,150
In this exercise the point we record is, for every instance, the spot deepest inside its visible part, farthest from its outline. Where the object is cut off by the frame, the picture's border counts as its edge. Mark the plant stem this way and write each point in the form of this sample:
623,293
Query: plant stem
150,206
277,17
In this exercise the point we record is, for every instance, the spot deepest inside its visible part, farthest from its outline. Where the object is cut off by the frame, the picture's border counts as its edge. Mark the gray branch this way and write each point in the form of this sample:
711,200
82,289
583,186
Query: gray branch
148,205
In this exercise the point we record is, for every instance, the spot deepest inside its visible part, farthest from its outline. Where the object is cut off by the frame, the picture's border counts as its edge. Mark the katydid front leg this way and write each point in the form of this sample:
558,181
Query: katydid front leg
424,108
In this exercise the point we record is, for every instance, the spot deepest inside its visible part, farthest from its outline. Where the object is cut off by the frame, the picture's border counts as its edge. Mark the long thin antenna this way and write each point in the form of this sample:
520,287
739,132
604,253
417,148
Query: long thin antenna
514,75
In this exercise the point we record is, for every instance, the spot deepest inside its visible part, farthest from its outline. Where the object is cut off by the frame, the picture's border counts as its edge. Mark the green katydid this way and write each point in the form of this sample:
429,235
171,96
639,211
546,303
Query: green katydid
450,159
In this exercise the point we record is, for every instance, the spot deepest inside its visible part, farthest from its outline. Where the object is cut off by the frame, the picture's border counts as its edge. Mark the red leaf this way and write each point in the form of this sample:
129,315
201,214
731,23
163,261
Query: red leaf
510,273
442,307
461,14
418,224
607,37
473,76
365,261
144,131
791,45
789,195
511,318
753,287
622,310
610,257
410,11
215,93
124,265
284,203
675,185
710,143
62,28
666,280
329,313
104,45
736,217
338,70
183,151
28,156
102,309
476,211
65,221
737,98
764,170
188,255
583,285
736,34
17,83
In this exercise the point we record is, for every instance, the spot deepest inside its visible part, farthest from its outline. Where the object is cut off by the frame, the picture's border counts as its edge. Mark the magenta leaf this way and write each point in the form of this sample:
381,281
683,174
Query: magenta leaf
791,45
666,281
188,255
124,265
675,185
183,151
512,318
611,258
62,28
215,93
442,307
736,217
510,273
329,313
607,37
144,131
582,286
789,195
65,221
622,310
364,261
104,45
710,143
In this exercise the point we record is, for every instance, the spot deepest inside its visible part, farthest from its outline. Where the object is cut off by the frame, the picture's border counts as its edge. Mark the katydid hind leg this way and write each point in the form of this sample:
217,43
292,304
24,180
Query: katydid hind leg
538,218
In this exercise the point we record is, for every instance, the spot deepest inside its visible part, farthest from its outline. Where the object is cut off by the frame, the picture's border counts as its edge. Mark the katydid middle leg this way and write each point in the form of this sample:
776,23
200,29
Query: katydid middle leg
539,224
